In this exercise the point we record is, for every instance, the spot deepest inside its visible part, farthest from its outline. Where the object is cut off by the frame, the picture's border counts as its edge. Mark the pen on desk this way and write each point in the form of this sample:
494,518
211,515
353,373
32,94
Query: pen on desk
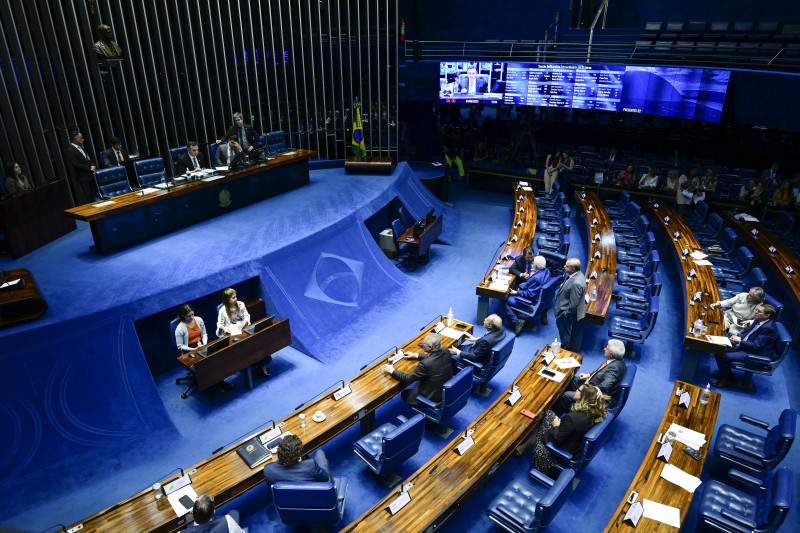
433,470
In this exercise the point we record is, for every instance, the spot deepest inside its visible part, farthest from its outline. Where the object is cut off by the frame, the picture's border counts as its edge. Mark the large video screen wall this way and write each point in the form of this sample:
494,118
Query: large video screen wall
674,92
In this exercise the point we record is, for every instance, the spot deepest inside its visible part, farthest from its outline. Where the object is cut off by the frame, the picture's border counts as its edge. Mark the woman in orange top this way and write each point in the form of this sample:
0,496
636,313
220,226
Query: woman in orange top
191,331
783,196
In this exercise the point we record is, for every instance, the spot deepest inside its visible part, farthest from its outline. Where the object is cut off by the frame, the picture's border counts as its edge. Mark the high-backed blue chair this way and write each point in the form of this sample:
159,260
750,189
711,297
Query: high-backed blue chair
732,272
554,206
626,222
779,306
482,373
631,331
727,242
213,147
174,154
405,219
593,442
455,394
112,181
150,171
617,208
556,213
405,252
547,200
558,244
387,447
640,278
620,398
758,453
697,218
637,257
276,142
634,238
710,230
638,303
765,365
762,509
754,278
554,227
526,309
784,225
523,507
310,503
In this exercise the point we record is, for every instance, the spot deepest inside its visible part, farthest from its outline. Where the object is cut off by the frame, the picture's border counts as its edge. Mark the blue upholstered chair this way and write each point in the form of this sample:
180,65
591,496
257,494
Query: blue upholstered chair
620,398
617,208
784,225
639,279
634,238
261,142
405,219
633,331
628,219
556,213
762,509
558,244
554,227
754,278
174,154
710,231
727,242
766,365
768,299
731,273
592,443
150,171
637,257
405,252
523,507
697,218
638,303
311,503
455,394
482,373
387,447
527,309
547,200
112,181
758,453
276,142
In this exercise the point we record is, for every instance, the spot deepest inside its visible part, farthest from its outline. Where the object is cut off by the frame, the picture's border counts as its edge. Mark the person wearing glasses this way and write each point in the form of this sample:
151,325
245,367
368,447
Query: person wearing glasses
433,371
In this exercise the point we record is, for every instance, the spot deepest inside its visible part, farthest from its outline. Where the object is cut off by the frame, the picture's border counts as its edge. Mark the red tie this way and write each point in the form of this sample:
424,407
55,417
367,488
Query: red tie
119,156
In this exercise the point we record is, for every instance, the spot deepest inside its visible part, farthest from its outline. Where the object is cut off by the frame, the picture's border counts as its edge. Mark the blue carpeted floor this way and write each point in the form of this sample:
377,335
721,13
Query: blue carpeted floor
404,301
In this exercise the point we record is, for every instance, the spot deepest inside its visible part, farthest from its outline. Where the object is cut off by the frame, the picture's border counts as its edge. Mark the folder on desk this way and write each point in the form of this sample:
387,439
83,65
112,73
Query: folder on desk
253,452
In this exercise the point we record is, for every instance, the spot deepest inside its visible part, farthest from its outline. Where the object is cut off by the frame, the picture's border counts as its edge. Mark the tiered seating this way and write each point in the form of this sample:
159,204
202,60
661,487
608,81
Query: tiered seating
482,373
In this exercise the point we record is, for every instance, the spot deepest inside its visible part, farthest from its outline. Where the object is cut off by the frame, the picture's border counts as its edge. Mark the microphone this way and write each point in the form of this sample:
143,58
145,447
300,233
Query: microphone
321,393
493,257
63,528
381,355
437,317
237,439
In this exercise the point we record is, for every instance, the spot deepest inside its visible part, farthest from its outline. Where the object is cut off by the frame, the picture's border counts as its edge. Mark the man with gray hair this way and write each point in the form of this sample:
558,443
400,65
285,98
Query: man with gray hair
481,348
741,309
606,377
529,290
570,304
433,371
203,513
248,137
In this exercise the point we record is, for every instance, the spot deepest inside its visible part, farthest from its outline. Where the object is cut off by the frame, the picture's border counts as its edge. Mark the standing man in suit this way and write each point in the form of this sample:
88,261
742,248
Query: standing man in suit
115,155
203,511
523,264
759,339
474,84
248,136
570,302
607,377
480,349
81,168
192,160
291,466
528,289
227,151
433,371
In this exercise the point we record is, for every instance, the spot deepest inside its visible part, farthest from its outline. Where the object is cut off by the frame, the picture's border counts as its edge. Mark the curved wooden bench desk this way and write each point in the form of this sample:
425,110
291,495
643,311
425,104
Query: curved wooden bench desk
20,300
606,265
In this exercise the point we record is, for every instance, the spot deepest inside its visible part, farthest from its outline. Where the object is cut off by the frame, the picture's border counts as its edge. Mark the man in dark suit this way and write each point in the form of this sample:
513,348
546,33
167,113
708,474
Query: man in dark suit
291,466
523,264
481,348
248,137
81,169
759,339
433,371
203,512
606,378
115,155
773,174
473,84
528,289
192,160
570,303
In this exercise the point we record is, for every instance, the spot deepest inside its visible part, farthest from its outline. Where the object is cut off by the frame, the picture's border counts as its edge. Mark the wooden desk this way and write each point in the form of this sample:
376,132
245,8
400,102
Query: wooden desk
486,288
776,262
606,264
241,353
22,301
36,218
499,430
648,482
425,240
225,476
705,283
132,218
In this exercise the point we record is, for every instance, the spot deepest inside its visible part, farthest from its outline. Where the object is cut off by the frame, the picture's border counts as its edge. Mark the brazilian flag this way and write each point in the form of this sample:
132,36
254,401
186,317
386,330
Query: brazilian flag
359,148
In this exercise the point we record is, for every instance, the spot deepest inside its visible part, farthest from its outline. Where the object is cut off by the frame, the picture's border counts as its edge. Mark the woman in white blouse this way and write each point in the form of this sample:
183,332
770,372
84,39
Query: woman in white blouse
649,180
233,316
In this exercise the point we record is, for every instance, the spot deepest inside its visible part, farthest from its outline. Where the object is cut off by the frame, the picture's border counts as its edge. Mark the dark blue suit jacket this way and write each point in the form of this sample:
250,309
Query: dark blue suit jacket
762,342
532,286
313,469
480,351
520,265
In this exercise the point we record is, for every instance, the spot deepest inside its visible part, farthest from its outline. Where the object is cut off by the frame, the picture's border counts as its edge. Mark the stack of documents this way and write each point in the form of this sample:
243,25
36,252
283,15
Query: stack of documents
716,339
673,474
567,362
687,436
662,513
698,255
450,332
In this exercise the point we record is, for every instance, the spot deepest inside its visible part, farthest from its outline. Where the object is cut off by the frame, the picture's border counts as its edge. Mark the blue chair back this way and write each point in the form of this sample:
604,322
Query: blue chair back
714,224
641,225
766,365
497,359
112,181
774,510
624,200
307,503
593,442
728,240
549,290
525,508
623,391
150,171
744,259
276,142
262,141
174,154
552,502
403,442
406,219
776,304
633,211
455,394
651,316
780,438
214,147
784,224
173,325
700,213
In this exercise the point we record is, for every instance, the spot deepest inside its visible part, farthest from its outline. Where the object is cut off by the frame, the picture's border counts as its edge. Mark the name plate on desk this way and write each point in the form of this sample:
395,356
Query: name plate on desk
596,255
692,273
597,237
666,220
789,270
341,393
655,206
395,358
677,235
590,207
593,275
548,357
754,232
515,395
595,221
686,400
634,514
465,445
271,434
665,452
399,502
772,249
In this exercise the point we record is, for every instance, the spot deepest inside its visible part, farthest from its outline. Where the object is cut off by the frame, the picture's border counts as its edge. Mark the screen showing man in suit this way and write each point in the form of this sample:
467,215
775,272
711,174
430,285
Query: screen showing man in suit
473,84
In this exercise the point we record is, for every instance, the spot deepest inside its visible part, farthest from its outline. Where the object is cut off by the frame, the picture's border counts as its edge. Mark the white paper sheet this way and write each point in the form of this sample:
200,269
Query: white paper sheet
148,190
527,189
558,378
499,285
10,283
687,436
725,341
662,513
221,169
103,204
673,474
523,183
698,255
451,332
567,362
177,506
703,262
287,153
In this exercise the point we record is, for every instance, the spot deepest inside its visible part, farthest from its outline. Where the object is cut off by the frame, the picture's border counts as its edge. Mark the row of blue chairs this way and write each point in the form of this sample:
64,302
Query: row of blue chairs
553,220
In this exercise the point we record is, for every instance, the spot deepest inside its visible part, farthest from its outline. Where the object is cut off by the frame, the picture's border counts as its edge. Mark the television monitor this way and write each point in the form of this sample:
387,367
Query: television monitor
238,161
471,82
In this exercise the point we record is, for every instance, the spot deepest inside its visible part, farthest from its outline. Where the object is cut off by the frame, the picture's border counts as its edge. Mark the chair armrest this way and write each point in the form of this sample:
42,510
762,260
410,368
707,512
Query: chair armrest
749,453
540,478
401,419
426,402
509,515
754,421
737,519
558,452
631,328
759,359
745,479
524,301
473,364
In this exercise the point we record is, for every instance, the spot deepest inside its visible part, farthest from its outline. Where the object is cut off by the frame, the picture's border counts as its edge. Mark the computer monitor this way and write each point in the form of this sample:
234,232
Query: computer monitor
238,161
213,348
254,328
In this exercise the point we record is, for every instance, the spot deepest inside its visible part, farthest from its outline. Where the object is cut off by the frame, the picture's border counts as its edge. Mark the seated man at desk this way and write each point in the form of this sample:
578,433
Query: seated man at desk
203,512
192,160
523,264
473,84
606,378
481,348
227,151
290,465
115,155
528,289
433,371
758,339
741,309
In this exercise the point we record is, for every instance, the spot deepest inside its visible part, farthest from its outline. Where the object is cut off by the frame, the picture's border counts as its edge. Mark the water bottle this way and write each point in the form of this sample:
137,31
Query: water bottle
697,328
556,347
706,394
450,318
593,295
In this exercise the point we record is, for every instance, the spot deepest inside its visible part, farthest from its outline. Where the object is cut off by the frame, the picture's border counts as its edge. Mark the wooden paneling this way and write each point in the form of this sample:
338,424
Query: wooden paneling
606,265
